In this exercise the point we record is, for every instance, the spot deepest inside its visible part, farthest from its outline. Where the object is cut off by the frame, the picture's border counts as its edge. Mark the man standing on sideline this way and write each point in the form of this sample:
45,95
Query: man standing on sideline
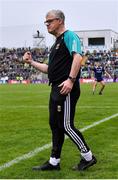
63,72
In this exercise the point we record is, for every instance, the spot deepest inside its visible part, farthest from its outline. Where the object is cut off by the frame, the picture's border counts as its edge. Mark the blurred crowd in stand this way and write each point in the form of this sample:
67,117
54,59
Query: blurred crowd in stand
12,67
108,59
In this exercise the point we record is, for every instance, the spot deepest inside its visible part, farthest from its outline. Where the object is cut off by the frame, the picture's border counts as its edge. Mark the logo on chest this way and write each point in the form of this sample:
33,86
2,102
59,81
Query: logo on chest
57,46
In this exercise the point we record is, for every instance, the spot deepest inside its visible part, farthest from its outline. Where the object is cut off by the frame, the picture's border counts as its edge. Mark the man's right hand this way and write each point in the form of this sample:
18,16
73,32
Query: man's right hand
27,58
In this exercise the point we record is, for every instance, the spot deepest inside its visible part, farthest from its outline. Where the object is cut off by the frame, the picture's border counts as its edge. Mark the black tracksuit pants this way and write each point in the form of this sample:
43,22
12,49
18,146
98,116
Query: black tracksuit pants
61,119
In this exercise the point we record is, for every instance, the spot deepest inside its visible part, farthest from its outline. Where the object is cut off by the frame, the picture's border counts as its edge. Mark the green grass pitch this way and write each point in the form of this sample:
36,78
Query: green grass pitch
24,127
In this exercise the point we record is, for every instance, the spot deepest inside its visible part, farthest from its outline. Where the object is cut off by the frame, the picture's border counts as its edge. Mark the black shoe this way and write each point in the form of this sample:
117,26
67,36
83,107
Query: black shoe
85,164
46,167
100,93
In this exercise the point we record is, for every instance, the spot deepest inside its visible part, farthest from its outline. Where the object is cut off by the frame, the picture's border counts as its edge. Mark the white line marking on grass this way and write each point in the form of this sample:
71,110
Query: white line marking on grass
46,146
98,122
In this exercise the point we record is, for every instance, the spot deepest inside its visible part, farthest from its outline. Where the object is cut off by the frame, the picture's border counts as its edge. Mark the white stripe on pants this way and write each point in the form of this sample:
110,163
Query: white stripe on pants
75,137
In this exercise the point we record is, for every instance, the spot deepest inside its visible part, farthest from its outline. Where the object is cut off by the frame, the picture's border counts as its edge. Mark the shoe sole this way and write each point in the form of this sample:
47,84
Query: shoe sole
44,169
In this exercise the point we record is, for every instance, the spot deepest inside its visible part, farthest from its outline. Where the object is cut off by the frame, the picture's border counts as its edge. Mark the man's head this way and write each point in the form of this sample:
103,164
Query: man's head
98,64
55,20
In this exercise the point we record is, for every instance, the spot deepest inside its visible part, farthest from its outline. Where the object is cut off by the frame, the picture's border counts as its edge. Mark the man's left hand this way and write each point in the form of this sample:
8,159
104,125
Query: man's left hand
67,86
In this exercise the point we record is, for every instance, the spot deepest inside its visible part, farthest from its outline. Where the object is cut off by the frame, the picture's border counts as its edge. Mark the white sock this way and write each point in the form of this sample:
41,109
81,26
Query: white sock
87,156
54,161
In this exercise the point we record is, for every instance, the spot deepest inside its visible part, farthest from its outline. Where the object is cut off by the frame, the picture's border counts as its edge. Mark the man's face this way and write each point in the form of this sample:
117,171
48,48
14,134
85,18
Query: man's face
52,23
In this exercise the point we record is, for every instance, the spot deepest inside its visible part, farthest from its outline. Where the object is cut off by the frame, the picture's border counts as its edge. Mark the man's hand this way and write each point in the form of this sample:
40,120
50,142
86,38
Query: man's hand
27,58
66,87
